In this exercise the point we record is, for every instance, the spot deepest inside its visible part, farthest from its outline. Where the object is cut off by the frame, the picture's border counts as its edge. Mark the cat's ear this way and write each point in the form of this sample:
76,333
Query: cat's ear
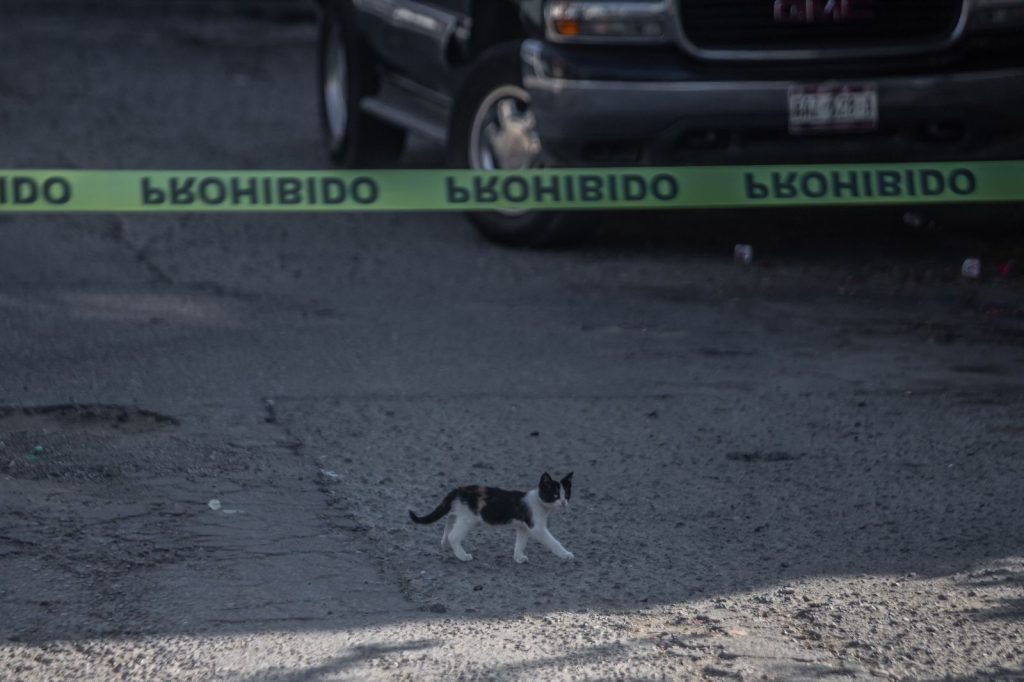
546,478
567,478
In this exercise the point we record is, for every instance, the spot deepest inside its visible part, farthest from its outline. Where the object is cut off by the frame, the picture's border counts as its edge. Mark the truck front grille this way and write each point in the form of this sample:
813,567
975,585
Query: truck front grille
825,25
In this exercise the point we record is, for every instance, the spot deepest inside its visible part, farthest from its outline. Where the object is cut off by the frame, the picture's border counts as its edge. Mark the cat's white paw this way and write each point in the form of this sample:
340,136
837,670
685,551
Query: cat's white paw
568,556
465,556
521,559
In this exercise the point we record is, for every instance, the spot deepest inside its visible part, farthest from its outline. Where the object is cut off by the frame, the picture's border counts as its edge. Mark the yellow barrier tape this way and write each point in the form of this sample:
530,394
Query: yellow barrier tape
73,191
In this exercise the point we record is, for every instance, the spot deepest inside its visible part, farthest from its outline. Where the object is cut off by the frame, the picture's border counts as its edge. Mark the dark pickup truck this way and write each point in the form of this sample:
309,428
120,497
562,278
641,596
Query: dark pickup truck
519,84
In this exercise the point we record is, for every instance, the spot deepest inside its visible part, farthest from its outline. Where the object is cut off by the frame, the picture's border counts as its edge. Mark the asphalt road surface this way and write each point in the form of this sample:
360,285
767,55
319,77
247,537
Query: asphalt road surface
212,426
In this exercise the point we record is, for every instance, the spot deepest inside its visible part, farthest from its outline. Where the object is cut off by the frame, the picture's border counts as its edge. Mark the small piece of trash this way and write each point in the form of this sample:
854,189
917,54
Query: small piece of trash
213,504
916,220
971,268
329,474
743,254
231,511
1005,269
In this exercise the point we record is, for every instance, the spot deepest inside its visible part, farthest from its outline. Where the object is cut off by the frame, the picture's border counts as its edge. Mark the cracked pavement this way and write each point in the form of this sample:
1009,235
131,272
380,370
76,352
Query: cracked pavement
211,427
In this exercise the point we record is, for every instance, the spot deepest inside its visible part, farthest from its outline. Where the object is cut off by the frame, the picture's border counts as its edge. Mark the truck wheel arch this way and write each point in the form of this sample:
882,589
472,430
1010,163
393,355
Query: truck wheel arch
496,22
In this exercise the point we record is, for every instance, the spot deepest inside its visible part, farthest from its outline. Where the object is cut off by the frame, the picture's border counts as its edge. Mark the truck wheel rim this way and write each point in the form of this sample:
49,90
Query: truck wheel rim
336,85
504,134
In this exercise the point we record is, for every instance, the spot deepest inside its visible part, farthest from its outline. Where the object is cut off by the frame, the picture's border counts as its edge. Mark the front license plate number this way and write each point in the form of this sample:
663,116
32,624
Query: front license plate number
833,108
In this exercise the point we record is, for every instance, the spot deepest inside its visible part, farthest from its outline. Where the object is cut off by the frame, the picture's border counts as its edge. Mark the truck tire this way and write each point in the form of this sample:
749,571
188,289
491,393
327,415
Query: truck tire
354,138
491,127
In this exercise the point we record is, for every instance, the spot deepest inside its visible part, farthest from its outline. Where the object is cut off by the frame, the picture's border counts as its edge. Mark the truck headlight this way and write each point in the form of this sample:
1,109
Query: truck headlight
987,15
594,21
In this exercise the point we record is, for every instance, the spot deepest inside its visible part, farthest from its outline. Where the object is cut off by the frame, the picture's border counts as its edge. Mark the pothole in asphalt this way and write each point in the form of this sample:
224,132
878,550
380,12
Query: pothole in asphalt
49,418
83,443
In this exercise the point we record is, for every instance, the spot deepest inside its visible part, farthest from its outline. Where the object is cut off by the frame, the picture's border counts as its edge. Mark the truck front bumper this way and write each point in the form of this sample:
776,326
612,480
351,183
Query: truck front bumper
600,110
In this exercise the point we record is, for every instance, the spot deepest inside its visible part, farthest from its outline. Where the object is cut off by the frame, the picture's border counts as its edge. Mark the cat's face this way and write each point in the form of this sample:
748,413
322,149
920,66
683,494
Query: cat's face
555,492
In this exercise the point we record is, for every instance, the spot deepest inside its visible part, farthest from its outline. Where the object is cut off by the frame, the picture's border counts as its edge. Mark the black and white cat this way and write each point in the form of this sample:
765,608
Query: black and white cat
527,512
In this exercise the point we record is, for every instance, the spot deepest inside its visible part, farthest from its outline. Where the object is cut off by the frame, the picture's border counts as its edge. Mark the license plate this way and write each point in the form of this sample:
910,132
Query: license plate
832,108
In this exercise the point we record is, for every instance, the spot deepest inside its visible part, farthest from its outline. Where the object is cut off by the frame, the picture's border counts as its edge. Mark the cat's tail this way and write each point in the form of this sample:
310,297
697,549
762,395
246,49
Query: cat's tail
437,514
